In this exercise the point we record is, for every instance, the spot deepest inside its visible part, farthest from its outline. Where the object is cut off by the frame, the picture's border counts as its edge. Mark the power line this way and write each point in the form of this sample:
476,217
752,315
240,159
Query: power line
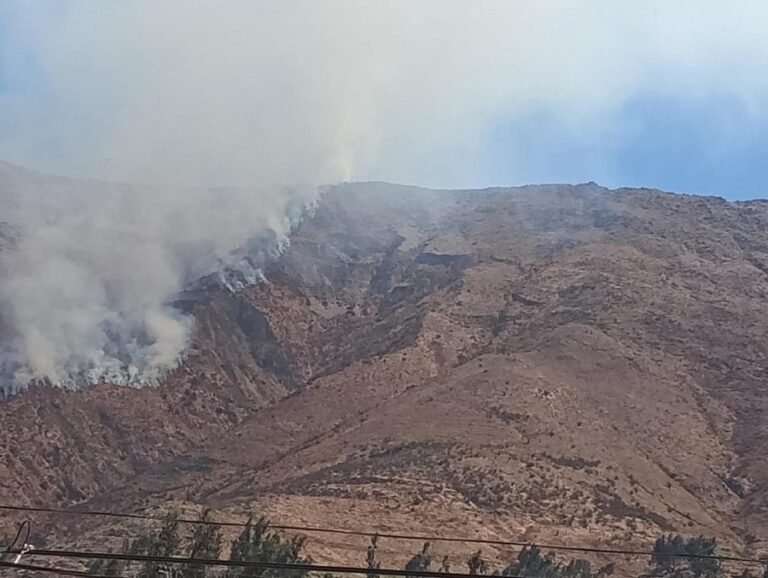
17,542
50,570
585,549
251,564
66,571
126,516
392,536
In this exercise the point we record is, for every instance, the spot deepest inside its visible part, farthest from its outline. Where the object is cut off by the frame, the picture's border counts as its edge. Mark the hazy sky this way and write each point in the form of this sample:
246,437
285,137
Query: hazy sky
439,93
668,94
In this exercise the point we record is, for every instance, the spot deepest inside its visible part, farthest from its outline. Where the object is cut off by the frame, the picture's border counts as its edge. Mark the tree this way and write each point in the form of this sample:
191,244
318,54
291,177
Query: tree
476,564
165,545
371,561
258,543
666,562
206,544
530,562
583,569
445,565
421,561
139,546
110,567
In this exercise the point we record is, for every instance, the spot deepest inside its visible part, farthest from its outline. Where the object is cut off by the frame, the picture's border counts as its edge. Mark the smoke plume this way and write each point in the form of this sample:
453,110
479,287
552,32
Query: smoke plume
91,269
183,97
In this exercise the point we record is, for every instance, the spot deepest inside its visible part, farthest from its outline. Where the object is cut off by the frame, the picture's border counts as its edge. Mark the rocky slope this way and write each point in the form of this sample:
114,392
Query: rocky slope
559,363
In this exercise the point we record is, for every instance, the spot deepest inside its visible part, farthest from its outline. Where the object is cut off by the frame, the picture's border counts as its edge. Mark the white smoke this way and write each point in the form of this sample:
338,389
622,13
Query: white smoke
244,92
88,281
241,91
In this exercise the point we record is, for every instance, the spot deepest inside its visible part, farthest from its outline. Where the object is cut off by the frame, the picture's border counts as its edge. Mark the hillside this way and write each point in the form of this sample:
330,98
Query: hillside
560,363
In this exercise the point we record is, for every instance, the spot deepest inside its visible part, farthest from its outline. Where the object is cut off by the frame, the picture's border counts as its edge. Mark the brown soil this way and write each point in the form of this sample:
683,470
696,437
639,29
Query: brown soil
554,363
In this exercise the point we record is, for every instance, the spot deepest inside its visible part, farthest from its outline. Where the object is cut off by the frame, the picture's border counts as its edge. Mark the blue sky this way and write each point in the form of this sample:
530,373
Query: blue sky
705,144
445,93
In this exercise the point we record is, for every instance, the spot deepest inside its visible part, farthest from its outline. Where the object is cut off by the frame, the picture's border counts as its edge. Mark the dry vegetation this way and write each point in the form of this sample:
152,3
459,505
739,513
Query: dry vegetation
554,363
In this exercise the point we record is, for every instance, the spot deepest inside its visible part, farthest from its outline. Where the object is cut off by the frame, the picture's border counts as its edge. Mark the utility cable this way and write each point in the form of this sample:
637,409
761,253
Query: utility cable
325,569
17,544
50,570
392,536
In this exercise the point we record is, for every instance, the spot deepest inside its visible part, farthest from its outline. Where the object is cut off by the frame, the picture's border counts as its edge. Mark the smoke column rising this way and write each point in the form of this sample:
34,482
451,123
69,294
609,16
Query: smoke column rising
93,266
275,91
186,95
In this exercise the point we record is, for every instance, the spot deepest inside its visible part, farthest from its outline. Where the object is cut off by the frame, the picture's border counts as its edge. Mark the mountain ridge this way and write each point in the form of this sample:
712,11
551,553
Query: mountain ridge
523,361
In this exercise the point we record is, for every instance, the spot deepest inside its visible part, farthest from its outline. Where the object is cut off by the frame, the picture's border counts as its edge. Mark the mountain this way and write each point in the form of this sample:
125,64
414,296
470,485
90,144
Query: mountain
557,363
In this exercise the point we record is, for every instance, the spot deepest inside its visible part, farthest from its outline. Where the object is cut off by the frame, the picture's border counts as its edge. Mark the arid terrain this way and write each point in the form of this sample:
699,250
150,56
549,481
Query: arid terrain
559,364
